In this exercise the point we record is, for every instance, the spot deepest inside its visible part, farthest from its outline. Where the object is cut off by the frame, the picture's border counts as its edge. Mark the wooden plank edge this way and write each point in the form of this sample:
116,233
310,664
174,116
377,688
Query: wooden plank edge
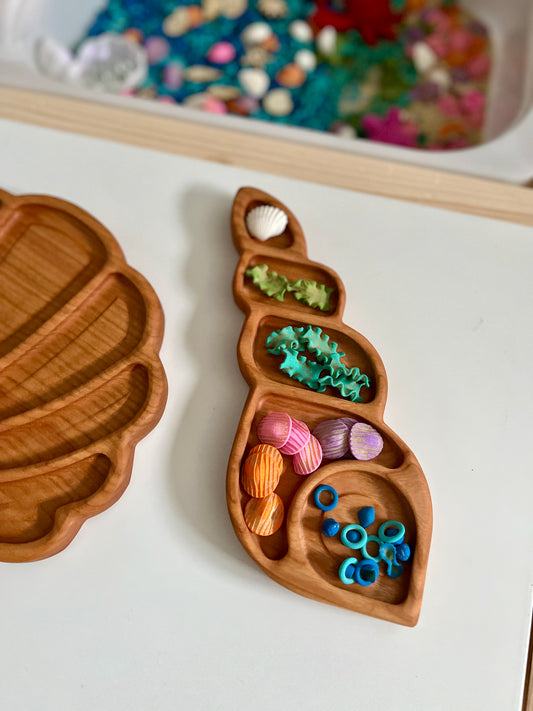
325,166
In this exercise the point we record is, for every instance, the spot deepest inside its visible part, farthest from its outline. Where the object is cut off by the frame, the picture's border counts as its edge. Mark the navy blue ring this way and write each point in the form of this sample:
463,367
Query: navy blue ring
319,504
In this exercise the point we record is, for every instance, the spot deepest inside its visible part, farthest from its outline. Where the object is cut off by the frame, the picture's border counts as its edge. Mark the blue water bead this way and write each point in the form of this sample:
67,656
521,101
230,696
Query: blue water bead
403,552
366,516
330,527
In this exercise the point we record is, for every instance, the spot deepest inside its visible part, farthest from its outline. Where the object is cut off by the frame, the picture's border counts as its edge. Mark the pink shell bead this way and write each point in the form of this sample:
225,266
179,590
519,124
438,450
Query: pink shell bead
298,438
221,53
333,436
309,458
365,442
275,429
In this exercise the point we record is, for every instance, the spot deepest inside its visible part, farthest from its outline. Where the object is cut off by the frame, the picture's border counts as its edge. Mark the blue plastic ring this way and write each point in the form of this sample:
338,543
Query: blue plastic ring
366,565
355,545
367,555
342,570
395,537
335,499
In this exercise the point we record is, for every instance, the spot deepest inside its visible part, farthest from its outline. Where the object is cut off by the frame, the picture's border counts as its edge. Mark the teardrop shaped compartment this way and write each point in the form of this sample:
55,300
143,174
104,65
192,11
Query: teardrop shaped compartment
400,496
247,200
311,411
288,285
357,352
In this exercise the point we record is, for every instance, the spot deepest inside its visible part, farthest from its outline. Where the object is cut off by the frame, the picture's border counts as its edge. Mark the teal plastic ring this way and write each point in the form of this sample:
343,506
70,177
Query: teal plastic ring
342,570
395,537
334,500
355,545
367,555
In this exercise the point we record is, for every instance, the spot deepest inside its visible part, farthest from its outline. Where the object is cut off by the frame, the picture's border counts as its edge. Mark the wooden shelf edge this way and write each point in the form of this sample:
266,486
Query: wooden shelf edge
325,166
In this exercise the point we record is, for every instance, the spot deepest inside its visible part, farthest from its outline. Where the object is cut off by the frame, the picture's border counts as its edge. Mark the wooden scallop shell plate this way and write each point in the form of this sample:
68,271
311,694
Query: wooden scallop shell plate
297,555
80,378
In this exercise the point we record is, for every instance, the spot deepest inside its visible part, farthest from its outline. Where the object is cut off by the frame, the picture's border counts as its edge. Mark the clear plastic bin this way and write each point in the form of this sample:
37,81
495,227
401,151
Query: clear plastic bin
507,151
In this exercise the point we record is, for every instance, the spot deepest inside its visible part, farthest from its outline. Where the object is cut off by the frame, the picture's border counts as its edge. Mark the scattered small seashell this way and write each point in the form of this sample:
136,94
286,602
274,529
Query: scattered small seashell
196,15
326,40
298,437
273,9
255,33
223,92
232,9
278,102
309,458
201,74
341,128
255,82
211,9
243,105
214,105
147,92
424,58
275,428
301,31
334,437
291,76
262,471
173,75
177,23
271,44
365,441
263,222
306,59
255,57
157,48
441,77
134,34
264,516
221,53
196,101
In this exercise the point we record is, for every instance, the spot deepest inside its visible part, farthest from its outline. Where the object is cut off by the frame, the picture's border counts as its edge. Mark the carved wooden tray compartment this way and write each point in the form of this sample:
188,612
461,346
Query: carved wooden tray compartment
80,378
298,556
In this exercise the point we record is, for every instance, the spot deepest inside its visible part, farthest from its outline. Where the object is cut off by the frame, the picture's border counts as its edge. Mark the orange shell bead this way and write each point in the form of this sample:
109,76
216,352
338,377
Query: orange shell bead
291,76
264,516
262,471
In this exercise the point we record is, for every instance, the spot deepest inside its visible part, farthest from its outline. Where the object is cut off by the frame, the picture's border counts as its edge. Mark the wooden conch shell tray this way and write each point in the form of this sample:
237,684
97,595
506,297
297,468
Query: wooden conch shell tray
80,378
298,555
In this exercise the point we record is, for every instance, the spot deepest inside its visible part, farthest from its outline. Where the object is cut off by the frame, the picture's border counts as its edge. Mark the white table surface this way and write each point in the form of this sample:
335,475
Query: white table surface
155,605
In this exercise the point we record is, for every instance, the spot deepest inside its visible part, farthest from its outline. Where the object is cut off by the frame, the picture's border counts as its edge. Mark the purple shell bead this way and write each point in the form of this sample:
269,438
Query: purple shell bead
333,436
298,438
173,75
157,48
275,429
365,442
309,458
348,421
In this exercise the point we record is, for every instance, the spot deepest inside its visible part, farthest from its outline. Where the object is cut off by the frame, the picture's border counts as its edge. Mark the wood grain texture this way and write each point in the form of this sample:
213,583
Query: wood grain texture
297,555
171,134
80,378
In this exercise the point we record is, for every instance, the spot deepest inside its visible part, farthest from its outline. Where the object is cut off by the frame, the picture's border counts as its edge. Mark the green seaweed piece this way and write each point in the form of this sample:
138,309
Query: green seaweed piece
276,285
270,282
328,369
313,294
319,344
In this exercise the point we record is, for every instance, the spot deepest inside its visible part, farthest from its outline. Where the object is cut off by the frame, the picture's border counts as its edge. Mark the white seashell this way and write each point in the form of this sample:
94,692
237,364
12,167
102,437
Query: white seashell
52,58
273,9
196,101
278,102
301,31
266,221
201,74
306,60
223,91
424,58
255,57
211,9
326,40
441,77
255,82
255,33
